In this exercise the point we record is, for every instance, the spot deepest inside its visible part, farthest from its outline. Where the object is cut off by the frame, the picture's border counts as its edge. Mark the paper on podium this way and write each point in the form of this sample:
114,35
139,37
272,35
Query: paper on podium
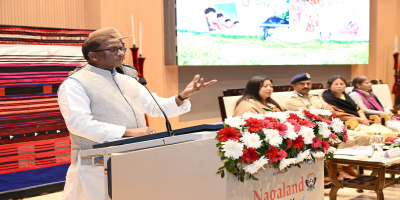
392,153
355,151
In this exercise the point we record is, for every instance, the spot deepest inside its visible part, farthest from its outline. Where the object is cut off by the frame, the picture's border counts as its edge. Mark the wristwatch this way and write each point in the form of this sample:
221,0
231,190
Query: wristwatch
182,99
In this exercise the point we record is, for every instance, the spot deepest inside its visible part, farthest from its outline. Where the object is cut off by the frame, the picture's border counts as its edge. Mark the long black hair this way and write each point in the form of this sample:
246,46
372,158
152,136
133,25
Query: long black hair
252,90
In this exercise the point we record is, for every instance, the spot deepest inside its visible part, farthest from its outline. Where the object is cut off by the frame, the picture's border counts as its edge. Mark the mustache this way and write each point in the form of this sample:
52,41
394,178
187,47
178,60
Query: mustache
306,89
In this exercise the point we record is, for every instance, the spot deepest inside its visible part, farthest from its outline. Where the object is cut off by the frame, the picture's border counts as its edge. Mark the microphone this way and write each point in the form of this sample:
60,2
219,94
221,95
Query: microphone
167,124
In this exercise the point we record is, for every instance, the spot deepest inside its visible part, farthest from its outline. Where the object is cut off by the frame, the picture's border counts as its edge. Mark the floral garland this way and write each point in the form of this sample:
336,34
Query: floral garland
284,139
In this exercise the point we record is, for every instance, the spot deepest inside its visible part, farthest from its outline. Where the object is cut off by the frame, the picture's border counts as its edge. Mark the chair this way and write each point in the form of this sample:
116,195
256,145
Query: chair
227,105
282,88
233,92
317,86
377,81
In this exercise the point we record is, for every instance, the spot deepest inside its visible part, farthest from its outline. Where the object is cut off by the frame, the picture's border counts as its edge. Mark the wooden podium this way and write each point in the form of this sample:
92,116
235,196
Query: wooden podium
185,168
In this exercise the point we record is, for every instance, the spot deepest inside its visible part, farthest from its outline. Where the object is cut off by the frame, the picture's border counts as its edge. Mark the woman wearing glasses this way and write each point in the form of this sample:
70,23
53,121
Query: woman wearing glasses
364,97
257,97
347,109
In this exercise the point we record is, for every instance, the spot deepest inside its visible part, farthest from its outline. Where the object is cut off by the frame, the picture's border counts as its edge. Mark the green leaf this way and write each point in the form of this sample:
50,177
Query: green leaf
269,110
320,136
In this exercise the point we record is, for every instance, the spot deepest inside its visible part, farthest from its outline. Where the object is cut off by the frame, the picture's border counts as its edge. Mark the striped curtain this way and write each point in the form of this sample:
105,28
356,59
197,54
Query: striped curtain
33,136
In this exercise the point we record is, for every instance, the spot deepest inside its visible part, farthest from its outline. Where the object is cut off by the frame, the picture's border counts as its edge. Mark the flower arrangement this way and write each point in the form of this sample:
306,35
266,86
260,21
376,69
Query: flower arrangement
284,139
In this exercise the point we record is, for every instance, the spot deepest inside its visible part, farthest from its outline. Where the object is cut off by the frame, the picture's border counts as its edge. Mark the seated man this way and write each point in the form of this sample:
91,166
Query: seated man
303,99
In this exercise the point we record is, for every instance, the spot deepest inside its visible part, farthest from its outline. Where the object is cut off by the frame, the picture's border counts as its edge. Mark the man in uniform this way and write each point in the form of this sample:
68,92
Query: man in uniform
302,98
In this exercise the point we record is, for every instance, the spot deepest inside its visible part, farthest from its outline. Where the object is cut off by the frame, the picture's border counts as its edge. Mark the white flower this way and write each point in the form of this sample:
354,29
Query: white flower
303,155
280,116
272,137
337,125
307,133
251,140
301,114
334,141
236,122
319,154
331,149
321,112
290,133
248,115
232,149
286,162
323,129
256,165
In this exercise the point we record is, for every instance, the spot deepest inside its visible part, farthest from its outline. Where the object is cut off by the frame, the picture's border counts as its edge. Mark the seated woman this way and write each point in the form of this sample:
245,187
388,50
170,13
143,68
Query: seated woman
257,97
347,109
364,97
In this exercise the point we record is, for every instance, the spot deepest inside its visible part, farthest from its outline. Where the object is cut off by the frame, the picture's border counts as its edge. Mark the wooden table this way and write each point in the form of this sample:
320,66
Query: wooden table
377,181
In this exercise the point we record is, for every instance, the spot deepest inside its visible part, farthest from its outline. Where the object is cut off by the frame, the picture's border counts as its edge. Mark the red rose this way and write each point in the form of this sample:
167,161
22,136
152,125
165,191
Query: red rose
249,155
228,133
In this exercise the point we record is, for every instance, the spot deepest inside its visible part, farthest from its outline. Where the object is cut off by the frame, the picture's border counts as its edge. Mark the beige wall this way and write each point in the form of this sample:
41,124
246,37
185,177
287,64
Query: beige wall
384,26
94,14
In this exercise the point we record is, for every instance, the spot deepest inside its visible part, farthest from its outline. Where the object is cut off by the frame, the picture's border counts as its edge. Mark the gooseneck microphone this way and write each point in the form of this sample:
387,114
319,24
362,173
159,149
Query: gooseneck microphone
167,124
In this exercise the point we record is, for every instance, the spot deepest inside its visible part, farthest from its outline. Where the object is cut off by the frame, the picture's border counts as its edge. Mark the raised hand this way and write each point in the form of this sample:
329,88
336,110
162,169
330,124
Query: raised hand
197,84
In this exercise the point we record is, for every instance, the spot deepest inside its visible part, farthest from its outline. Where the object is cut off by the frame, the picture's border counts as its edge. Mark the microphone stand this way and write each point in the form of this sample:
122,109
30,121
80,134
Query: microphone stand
167,124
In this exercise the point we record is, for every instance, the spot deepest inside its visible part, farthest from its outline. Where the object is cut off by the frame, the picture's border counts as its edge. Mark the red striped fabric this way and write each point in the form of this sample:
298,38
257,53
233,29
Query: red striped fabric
33,63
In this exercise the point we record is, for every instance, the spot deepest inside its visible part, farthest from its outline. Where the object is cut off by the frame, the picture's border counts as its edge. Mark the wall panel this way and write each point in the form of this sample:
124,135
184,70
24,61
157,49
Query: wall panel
44,13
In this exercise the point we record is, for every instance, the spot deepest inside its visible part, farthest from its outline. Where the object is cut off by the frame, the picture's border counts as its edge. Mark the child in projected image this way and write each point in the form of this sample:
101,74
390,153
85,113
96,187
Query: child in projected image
221,20
211,17
235,24
228,23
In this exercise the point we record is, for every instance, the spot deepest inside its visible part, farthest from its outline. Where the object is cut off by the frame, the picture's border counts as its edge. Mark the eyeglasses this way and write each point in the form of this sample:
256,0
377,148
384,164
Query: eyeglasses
113,49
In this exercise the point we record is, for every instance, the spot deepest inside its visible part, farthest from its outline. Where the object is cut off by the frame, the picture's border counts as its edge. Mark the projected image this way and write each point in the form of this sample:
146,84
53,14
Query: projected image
272,32
221,17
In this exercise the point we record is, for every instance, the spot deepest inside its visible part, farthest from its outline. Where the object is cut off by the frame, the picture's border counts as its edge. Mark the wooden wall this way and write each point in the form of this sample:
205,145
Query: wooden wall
95,14
384,26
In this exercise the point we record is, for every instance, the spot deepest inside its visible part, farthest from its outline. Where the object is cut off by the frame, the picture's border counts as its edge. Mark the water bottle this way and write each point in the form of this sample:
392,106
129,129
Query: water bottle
377,145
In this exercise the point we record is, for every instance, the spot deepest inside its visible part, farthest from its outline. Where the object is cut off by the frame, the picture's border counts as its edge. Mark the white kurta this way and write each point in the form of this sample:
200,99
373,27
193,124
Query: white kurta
83,181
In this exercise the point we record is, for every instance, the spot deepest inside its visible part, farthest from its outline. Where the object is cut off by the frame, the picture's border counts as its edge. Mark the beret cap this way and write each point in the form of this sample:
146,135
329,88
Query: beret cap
300,77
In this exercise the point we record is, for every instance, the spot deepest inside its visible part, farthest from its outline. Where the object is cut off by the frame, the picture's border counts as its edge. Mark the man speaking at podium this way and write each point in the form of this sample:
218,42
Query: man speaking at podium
99,104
